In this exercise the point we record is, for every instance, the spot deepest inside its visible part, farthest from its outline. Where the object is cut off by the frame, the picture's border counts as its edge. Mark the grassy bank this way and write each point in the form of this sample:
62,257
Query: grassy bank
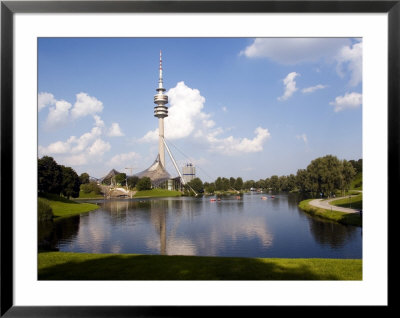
63,207
156,193
80,266
341,217
353,202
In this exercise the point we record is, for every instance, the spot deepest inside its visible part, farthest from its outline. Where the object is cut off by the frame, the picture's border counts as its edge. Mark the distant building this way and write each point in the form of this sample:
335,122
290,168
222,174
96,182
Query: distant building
188,172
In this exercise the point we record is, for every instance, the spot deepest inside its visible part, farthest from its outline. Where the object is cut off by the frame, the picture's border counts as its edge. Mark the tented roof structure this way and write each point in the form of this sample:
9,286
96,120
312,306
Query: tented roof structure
109,175
156,172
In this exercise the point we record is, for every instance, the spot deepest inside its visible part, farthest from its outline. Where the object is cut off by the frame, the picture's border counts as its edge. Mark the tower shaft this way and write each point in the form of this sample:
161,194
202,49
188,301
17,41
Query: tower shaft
161,111
161,149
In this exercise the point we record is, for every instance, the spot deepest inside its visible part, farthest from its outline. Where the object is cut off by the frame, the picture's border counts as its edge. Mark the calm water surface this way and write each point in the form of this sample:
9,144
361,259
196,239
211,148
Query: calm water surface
250,227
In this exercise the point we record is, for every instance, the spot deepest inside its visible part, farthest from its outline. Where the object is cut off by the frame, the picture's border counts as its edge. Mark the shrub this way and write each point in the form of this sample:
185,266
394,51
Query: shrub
144,184
91,187
45,212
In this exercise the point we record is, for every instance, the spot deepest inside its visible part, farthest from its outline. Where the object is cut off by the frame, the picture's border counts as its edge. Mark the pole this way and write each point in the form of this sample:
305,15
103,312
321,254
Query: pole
176,167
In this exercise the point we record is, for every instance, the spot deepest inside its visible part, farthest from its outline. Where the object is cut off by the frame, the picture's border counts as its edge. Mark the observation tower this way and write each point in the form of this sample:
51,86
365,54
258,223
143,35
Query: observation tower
161,111
157,172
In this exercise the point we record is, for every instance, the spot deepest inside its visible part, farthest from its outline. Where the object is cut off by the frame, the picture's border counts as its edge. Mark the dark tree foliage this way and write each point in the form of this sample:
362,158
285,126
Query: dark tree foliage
357,165
323,175
209,187
71,182
120,178
274,183
132,181
50,176
84,178
197,185
143,184
238,184
91,187
249,184
232,181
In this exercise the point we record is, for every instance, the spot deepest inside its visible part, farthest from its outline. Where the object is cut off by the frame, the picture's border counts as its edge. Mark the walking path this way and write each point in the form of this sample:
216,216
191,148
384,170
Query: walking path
324,204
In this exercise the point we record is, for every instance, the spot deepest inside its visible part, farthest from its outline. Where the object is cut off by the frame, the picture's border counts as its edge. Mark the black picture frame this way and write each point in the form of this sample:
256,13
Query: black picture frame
8,8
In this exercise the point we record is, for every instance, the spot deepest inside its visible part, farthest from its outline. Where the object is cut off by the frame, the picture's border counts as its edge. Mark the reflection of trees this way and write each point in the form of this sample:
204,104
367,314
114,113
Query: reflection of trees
51,233
331,233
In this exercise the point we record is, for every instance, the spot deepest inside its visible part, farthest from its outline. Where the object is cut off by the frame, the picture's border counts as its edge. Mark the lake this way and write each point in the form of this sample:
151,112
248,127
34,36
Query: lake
247,227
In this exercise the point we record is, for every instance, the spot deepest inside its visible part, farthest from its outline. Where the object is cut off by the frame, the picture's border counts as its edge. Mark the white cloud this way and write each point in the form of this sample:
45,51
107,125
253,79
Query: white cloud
292,51
187,118
98,148
351,57
115,130
184,114
61,112
122,158
98,121
45,99
224,109
290,86
303,137
313,88
234,146
86,105
89,147
58,115
348,101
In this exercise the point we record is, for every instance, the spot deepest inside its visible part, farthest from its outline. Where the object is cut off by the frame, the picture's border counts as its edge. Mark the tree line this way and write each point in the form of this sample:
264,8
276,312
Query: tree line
57,179
323,175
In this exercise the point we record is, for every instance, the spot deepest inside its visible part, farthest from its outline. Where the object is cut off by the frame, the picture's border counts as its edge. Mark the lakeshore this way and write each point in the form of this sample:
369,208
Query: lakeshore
327,209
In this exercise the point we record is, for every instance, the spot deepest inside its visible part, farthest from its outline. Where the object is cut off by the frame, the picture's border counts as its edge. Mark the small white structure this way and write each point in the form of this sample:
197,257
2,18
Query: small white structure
189,172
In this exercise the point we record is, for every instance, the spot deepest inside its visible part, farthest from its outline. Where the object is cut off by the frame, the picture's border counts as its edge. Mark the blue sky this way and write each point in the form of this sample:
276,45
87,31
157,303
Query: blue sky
238,106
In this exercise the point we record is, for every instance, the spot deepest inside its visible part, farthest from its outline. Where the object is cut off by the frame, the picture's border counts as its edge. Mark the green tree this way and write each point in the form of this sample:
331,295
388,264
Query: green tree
120,178
218,184
260,184
232,182
49,176
267,182
325,174
225,184
91,187
302,180
348,173
132,181
357,165
238,184
209,187
143,184
274,183
84,178
291,182
248,184
71,182
197,185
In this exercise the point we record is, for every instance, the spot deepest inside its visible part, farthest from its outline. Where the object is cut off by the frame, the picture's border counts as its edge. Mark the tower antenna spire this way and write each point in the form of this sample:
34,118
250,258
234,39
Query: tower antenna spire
160,81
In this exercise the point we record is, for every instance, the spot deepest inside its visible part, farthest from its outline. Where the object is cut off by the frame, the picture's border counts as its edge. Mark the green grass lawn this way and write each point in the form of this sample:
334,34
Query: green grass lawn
341,217
156,193
81,266
353,202
63,207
